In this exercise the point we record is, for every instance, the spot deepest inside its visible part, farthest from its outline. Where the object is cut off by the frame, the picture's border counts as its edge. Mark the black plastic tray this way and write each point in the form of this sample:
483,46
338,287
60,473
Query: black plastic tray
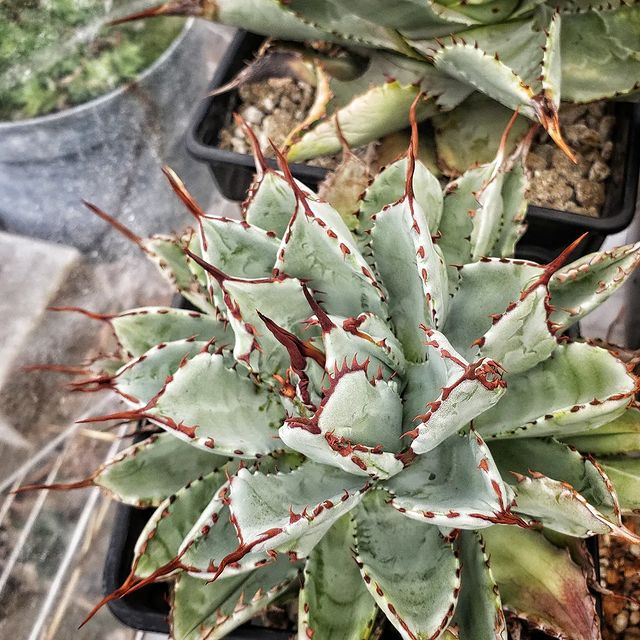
549,228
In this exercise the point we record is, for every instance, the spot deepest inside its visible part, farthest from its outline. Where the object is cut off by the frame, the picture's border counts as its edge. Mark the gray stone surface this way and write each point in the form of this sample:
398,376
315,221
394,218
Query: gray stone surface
31,272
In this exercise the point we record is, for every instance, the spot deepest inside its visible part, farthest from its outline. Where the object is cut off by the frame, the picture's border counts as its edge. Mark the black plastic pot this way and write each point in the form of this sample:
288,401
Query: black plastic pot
548,228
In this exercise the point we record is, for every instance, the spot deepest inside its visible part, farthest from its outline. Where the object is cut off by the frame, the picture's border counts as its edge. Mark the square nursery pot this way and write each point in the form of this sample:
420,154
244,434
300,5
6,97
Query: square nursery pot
148,608
549,228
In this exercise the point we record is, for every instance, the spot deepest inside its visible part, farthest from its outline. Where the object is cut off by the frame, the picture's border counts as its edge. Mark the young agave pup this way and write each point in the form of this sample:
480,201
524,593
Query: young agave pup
379,416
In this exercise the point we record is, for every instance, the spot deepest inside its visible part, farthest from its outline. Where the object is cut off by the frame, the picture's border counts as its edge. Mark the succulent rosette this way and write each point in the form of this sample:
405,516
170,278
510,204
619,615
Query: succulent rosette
373,413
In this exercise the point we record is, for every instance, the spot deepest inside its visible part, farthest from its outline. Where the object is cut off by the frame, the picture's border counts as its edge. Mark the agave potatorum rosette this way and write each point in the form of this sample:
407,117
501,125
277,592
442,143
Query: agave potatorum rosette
373,413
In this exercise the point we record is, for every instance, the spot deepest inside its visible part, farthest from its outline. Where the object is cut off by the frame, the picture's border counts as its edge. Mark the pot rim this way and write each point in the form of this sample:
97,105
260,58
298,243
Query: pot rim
8,125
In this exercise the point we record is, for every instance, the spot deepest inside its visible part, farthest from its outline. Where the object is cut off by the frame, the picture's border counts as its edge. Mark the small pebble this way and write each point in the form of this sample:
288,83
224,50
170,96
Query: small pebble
599,172
634,550
621,621
253,115
634,618
589,193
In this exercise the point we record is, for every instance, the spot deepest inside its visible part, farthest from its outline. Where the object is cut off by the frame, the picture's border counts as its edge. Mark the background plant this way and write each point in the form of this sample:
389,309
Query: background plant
527,55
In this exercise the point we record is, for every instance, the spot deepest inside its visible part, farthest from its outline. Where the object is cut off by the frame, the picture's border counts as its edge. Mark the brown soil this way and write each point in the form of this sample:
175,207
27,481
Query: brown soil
558,183
273,107
620,572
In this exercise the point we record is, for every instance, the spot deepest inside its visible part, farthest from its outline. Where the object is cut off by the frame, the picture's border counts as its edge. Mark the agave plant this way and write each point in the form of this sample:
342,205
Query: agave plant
525,54
378,414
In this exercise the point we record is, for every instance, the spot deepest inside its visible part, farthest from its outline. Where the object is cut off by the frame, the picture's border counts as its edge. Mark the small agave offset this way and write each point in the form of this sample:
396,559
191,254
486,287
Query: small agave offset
382,416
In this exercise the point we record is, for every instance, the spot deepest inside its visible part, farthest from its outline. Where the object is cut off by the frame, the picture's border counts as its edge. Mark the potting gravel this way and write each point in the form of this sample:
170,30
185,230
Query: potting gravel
274,107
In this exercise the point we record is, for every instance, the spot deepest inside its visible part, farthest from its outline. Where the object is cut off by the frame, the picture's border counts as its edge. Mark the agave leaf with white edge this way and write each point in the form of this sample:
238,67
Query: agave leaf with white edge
514,211
281,300
213,536
579,287
624,473
217,408
557,486
270,204
141,379
555,596
521,337
412,270
138,330
453,390
366,338
319,247
381,108
477,298
619,436
358,438
479,614
238,248
390,185
580,387
161,539
132,475
212,610
277,511
456,484
334,602
411,571
168,255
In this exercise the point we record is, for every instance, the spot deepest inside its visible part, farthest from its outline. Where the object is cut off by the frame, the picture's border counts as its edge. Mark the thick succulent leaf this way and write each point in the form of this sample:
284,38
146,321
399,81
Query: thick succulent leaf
212,610
333,18
271,203
282,300
167,253
557,486
624,473
514,211
478,298
213,536
411,571
140,329
358,437
521,337
390,184
219,409
162,536
580,387
457,223
365,338
141,379
466,63
413,272
280,511
334,602
479,613
551,76
599,52
554,595
462,392
582,285
238,248
470,134
132,476
319,247
457,484
621,435
382,109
